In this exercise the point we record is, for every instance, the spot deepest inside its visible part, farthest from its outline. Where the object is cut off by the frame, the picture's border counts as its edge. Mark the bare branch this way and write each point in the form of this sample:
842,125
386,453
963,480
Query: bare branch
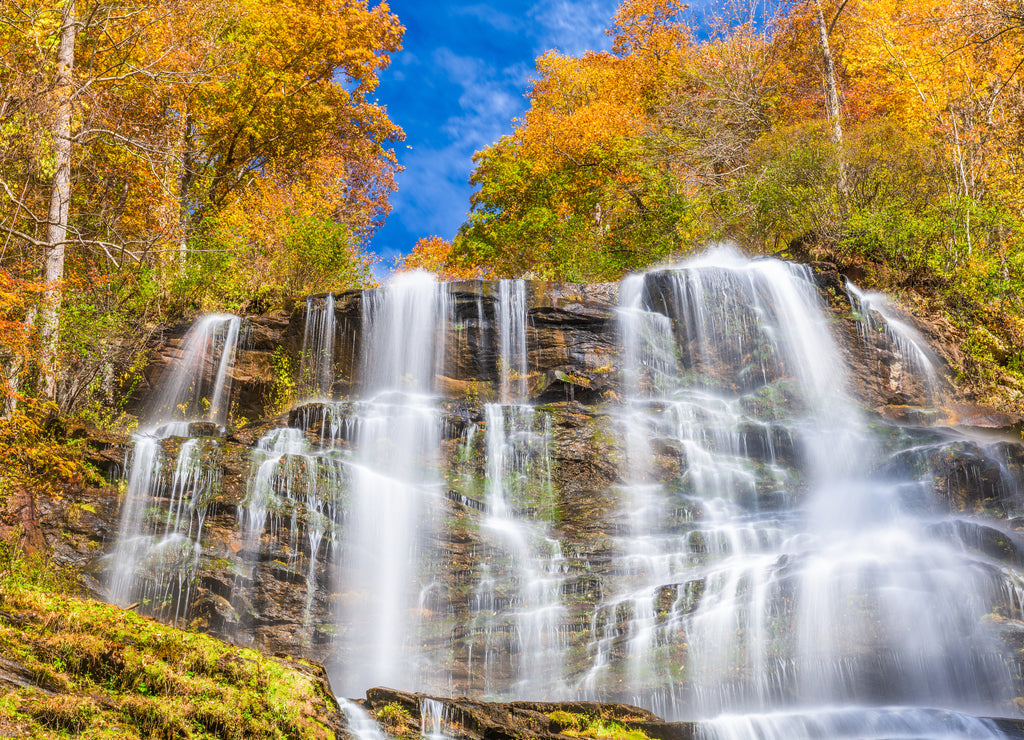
832,25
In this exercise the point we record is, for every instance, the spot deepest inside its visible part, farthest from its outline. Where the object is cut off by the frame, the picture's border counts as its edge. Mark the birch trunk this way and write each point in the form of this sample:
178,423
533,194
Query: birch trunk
60,199
835,114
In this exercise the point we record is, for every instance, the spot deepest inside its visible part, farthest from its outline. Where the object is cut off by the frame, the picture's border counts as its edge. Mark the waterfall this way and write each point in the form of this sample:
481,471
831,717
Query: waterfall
395,484
291,482
833,600
525,623
434,715
727,534
877,317
317,360
361,724
513,357
198,386
156,556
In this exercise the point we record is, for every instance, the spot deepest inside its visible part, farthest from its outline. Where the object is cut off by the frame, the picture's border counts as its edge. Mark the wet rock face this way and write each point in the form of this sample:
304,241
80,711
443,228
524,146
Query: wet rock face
255,369
275,586
572,335
405,714
264,592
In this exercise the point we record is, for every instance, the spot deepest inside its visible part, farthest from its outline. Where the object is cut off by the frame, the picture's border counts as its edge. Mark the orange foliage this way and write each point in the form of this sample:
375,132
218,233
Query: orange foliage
649,28
16,345
434,254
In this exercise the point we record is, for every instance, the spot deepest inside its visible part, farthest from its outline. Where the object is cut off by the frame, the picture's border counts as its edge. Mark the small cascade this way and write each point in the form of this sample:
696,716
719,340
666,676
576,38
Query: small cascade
518,611
157,553
362,725
198,386
290,482
434,715
513,357
876,316
317,361
395,485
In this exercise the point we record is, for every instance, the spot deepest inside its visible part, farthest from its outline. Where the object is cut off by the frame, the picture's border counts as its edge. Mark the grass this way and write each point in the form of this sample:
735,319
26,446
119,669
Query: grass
96,671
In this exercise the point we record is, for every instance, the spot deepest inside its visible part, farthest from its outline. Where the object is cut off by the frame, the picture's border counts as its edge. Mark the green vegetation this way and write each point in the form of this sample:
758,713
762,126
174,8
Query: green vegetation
582,725
283,387
394,718
99,671
37,455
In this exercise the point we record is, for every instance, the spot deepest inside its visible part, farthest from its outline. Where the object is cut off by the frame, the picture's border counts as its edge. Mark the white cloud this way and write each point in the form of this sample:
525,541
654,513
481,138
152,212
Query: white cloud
571,26
488,99
494,18
434,209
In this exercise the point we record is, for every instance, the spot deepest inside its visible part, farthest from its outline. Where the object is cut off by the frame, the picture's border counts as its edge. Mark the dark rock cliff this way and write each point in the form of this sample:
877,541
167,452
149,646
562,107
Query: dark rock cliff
273,593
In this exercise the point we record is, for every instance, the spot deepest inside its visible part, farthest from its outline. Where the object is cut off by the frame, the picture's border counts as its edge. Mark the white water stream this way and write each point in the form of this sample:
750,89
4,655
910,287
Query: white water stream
777,566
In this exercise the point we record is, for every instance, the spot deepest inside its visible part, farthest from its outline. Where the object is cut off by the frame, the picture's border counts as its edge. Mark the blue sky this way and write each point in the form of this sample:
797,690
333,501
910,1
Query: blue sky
455,87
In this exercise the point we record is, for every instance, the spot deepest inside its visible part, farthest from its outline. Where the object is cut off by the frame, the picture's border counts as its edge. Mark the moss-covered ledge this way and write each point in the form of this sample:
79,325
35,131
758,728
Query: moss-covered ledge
70,665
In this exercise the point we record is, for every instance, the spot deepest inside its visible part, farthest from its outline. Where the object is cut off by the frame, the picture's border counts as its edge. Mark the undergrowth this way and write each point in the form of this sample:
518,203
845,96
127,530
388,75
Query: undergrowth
92,670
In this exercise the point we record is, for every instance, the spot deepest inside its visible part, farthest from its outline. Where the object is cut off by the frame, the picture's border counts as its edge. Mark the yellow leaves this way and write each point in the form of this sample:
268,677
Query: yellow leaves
434,254
650,28
33,452
16,297
581,106
282,99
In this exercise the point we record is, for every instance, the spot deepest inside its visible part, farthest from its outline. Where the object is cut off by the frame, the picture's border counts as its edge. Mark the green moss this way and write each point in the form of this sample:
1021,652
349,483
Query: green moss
582,725
394,718
117,674
566,722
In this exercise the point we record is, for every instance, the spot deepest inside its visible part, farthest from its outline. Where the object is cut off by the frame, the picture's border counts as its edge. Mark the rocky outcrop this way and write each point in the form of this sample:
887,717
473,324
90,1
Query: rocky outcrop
572,334
275,587
255,373
404,714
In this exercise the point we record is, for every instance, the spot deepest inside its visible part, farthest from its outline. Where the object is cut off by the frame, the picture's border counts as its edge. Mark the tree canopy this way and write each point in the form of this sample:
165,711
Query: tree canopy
200,155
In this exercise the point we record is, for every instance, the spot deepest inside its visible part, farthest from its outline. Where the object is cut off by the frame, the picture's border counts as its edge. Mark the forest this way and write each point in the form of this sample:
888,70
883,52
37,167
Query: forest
160,159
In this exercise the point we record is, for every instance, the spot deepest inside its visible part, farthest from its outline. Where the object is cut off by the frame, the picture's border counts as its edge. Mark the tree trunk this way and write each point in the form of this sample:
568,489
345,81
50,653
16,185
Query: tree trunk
60,198
835,114
185,182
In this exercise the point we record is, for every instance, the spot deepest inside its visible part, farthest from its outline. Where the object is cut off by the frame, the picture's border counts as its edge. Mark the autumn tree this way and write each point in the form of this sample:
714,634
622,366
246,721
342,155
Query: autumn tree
571,194
294,86
434,254
171,113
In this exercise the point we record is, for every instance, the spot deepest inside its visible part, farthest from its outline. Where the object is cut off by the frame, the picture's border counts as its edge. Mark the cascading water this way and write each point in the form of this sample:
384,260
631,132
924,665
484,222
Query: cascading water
519,610
198,388
292,482
877,316
513,353
772,559
516,609
318,339
434,715
395,482
158,546
844,597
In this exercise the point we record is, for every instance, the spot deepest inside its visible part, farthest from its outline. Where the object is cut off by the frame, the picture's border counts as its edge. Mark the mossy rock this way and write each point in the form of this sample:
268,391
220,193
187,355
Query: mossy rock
74,666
